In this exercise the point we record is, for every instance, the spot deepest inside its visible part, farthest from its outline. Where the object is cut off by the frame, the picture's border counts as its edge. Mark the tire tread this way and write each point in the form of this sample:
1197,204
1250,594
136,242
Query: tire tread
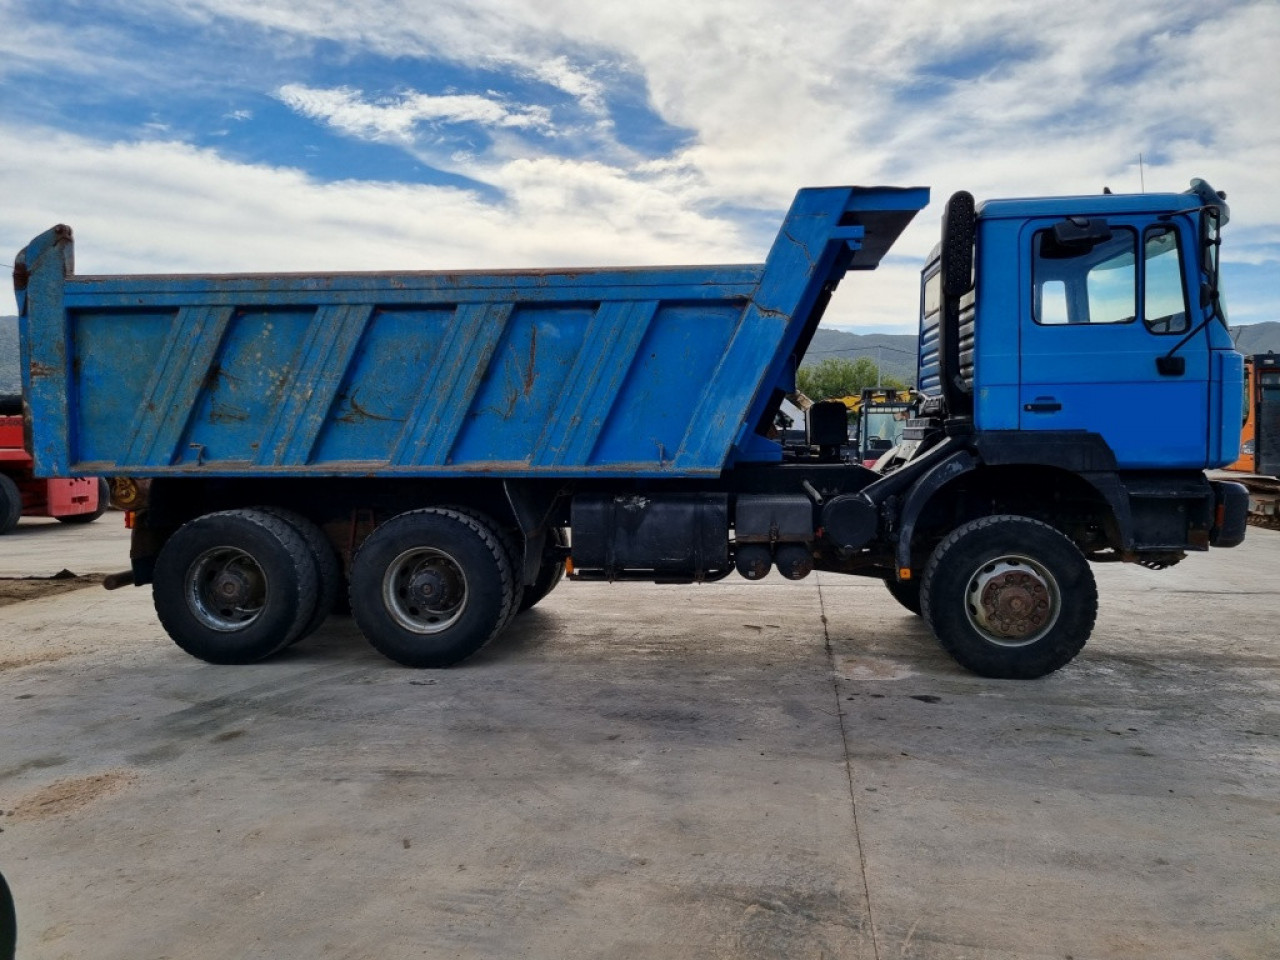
328,567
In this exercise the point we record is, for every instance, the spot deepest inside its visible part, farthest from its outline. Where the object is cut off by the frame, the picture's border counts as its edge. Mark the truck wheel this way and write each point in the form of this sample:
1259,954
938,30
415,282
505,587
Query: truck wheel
104,500
328,567
10,504
549,575
906,592
235,586
1009,597
431,587
515,555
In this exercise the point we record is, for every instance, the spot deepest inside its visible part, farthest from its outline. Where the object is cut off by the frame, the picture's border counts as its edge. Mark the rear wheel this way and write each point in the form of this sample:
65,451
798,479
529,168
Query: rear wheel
429,588
513,547
1009,597
328,567
10,504
235,586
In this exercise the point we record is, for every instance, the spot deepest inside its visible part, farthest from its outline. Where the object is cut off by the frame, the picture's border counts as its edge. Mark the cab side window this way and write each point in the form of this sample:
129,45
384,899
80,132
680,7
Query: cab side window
1095,284
1165,306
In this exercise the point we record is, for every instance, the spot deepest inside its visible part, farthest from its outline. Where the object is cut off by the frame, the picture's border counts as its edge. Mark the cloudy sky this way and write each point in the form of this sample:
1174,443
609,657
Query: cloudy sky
234,135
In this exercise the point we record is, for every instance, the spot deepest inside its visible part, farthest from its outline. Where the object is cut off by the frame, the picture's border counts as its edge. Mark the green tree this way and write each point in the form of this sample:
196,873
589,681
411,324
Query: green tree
842,377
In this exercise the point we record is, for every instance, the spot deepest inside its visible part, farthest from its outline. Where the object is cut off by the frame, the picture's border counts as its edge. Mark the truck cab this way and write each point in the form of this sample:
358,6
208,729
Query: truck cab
1093,315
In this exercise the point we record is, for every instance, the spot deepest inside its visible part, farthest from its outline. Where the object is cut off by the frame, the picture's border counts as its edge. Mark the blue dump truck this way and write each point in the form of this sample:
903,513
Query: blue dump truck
438,448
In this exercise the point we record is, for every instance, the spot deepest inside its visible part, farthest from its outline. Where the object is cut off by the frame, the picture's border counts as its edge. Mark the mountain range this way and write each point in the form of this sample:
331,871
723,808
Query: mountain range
895,354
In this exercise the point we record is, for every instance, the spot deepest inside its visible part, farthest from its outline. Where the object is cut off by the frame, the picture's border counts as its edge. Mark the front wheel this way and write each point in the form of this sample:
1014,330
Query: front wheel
1009,597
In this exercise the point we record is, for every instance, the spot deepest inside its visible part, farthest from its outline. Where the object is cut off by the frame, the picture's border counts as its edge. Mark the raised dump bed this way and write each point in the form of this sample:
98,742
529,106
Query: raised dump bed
656,371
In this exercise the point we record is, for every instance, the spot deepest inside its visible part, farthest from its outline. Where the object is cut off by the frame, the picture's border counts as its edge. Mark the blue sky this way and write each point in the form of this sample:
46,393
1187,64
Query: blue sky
233,135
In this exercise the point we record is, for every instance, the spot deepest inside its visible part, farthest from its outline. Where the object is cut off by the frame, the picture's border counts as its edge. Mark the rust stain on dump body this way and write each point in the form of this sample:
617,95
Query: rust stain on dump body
530,374
356,413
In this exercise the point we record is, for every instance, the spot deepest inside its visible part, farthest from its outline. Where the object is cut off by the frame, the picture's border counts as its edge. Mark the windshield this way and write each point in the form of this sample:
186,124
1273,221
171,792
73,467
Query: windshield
882,429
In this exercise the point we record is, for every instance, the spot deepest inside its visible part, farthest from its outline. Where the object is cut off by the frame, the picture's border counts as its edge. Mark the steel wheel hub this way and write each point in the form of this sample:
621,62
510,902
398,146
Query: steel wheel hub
226,589
1013,601
424,590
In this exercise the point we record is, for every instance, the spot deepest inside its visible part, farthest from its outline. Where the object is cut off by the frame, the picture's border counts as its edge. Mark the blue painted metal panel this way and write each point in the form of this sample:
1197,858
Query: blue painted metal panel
1226,408
998,297
660,371
1103,376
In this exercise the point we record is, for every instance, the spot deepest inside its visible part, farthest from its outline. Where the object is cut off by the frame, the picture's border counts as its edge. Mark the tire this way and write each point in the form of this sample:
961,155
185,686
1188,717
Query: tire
515,555
906,592
549,576
235,587
430,587
1040,597
104,501
328,567
10,504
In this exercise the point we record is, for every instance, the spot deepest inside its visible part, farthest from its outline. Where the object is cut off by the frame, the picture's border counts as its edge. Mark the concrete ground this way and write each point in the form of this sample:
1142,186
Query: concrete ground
736,770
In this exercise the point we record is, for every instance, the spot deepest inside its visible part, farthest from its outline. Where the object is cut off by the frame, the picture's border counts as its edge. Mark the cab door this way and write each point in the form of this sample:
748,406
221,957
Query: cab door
1108,304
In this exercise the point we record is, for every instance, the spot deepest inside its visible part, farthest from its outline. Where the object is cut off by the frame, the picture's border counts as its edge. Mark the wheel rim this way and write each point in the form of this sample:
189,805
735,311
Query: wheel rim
1012,601
425,590
226,589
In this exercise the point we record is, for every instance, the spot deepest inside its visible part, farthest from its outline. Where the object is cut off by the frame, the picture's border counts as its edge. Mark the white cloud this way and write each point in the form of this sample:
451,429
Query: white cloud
166,207
399,119
163,206
777,97
773,96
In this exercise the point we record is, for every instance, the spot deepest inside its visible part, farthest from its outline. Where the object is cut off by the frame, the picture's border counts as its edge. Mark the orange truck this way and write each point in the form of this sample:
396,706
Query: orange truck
22,494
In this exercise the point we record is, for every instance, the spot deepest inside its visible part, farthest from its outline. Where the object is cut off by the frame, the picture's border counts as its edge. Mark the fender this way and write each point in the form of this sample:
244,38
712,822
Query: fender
1084,455
960,462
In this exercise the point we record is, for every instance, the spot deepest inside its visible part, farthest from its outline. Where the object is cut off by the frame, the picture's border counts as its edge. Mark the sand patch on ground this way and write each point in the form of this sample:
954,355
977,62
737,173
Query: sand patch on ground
17,589
68,796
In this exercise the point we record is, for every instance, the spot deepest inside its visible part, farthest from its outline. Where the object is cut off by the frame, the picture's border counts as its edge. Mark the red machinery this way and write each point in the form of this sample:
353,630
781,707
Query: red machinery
22,494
